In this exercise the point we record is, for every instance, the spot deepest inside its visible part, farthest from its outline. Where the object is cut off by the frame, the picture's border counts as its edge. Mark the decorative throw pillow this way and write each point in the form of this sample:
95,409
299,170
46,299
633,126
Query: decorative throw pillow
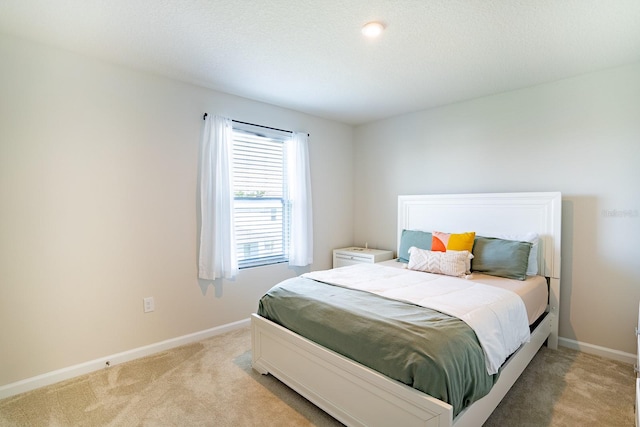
409,238
452,242
451,263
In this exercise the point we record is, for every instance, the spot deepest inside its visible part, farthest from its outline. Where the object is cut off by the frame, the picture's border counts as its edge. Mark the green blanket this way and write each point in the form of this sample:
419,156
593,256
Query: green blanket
423,348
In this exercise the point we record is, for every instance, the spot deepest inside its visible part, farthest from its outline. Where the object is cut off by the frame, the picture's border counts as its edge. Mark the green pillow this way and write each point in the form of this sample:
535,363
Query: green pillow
499,257
409,238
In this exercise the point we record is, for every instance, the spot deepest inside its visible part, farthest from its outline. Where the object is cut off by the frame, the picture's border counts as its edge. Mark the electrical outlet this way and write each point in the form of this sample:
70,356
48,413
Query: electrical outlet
149,305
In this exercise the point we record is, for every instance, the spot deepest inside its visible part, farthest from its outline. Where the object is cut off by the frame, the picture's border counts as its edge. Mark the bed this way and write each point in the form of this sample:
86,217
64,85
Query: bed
358,395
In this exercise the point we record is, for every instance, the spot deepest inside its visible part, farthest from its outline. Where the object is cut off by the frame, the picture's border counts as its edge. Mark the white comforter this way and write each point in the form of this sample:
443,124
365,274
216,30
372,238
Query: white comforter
498,316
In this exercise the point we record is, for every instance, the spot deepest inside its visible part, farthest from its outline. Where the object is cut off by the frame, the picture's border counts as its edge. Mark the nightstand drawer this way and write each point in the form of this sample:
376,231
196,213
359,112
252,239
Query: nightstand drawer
341,260
354,255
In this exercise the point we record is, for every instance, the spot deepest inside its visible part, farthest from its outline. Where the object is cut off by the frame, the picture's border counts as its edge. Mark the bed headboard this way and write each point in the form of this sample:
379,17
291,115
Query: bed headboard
490,214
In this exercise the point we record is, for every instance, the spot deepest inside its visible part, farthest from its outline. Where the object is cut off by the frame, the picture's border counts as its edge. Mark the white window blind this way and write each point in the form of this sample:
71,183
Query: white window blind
261,211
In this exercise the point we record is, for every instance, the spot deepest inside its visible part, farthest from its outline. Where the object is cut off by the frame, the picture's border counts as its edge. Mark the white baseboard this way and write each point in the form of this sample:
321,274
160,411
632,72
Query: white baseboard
609,353
114,359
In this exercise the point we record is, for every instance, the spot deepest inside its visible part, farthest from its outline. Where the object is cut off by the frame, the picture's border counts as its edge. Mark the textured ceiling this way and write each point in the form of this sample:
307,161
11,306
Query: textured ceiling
309,55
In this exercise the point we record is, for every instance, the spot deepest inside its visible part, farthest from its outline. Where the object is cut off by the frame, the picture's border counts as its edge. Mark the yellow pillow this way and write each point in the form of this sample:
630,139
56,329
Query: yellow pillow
443,242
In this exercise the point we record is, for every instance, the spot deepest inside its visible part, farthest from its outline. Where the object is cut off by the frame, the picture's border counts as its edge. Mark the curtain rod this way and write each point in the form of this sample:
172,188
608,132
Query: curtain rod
253,124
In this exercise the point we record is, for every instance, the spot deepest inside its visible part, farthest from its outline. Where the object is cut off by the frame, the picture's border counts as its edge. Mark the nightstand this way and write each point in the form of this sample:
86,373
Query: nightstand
355,255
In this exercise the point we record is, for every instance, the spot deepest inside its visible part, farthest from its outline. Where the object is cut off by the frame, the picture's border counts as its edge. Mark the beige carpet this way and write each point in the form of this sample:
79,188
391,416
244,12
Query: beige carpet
211,383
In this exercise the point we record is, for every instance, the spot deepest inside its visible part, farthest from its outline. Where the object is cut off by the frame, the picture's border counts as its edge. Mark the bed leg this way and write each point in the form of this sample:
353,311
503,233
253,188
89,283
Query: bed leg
260,370
554,303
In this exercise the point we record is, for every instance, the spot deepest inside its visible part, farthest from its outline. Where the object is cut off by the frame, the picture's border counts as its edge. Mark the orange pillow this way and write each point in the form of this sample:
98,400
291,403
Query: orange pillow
443,242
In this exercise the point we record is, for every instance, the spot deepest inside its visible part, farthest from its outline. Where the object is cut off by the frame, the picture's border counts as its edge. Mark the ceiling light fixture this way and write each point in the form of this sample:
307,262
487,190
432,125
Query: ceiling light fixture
372,29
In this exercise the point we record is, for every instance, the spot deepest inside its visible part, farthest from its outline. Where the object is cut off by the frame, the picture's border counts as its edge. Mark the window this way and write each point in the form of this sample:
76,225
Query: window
266,217
261,210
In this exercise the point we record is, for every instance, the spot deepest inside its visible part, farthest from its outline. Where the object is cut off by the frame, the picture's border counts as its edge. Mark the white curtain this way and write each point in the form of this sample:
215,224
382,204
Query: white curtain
301,245
217,240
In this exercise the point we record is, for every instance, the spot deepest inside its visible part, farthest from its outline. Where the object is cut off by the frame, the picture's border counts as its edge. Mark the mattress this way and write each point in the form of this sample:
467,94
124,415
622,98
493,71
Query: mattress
327,314
430,351
533,291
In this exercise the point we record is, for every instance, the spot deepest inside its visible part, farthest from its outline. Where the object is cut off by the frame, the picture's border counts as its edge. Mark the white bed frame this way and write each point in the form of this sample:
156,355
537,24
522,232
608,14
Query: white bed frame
358,396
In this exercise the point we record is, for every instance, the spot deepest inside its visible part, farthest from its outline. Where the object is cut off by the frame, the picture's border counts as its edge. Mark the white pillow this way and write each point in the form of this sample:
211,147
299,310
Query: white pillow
450,263
533,238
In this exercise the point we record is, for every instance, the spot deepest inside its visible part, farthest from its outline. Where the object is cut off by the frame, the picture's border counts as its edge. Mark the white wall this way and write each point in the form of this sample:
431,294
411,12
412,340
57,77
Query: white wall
580,136
98,178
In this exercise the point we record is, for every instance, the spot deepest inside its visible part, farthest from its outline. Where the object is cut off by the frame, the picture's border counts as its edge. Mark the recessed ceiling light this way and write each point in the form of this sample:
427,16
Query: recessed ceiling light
372,29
